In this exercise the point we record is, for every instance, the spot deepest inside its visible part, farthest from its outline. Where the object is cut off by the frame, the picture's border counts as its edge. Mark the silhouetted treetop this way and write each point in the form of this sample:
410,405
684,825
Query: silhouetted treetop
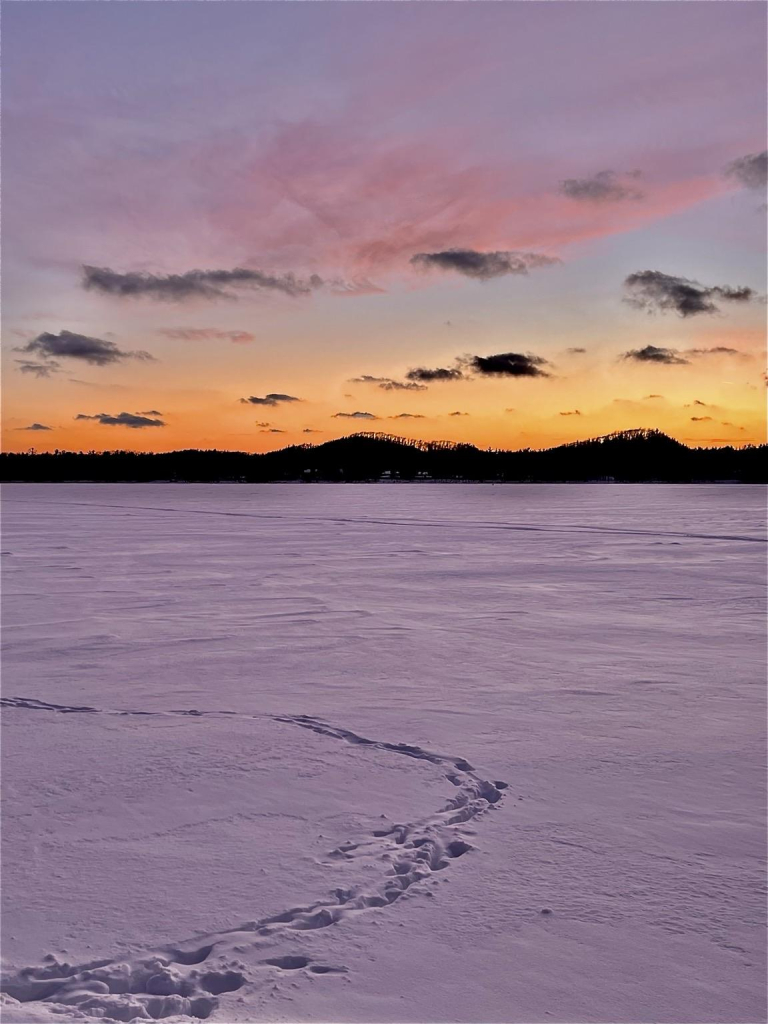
626,455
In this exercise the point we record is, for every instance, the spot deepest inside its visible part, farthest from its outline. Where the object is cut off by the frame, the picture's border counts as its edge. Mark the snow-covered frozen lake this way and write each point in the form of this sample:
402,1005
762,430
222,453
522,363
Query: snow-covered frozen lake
560,816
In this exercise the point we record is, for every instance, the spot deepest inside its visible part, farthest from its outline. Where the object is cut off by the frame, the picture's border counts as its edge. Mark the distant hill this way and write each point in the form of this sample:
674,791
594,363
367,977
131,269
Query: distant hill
628,455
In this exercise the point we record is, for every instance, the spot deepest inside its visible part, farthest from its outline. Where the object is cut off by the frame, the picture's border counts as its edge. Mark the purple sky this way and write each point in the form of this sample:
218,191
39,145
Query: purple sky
341,140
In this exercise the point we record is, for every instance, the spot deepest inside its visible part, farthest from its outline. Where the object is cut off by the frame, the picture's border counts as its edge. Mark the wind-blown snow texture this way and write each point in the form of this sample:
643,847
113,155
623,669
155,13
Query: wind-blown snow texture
383,753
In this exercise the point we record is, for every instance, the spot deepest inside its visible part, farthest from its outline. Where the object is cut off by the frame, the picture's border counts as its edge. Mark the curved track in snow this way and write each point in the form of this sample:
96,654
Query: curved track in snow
187,978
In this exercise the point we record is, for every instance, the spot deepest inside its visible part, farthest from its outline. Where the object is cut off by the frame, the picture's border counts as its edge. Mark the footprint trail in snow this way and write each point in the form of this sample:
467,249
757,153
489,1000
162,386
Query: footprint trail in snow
188,978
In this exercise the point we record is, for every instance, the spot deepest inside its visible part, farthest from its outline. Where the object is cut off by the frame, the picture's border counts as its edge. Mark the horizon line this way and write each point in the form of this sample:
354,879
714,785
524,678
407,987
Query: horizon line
636,432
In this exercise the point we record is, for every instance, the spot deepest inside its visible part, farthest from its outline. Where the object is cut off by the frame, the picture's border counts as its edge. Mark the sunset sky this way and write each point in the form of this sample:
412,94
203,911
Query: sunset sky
247,225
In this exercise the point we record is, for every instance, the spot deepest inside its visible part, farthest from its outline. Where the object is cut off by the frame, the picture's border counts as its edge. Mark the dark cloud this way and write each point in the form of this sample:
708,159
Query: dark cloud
458,413
576,351
38,369
272,399
603,187
354,416
134,420
263,424
440,373
272,430
750,171
407,416
309,430
571,412
504,364
35,426
701,419
206,334
509,364
654,291
194,284
654,354
388,384
68,345
483,265
654,396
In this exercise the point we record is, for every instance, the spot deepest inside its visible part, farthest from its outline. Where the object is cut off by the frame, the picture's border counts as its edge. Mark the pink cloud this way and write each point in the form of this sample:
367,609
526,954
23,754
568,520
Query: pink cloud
369,208
332,199
206,334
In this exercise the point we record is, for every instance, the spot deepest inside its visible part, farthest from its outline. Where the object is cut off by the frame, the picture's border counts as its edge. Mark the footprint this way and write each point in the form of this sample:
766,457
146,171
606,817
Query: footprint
217,982
193,956
404,854
457,848
288,963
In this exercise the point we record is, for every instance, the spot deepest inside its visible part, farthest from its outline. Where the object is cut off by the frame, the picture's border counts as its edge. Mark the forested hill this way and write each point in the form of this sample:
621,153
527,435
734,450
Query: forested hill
629,455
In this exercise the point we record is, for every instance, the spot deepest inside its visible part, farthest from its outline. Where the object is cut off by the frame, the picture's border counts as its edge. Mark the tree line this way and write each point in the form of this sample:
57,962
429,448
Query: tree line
628,456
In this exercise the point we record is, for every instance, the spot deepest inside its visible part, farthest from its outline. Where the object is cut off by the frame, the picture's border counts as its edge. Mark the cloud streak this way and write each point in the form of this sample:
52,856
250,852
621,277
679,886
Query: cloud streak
603,187
715,350
750,171
655,354
206,334
388,384
653,291
422,374
271,399
39,370
194,284
354,416
68,345
134,420
483,265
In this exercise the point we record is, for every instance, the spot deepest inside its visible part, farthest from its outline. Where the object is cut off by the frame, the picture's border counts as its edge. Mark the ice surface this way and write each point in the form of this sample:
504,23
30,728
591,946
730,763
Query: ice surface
384,753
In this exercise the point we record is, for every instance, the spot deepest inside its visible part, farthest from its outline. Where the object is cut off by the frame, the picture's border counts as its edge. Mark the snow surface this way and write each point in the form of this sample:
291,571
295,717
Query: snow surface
384,753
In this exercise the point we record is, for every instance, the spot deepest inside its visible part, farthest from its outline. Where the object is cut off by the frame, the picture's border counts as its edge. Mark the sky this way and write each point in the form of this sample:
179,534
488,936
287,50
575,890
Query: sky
244,225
